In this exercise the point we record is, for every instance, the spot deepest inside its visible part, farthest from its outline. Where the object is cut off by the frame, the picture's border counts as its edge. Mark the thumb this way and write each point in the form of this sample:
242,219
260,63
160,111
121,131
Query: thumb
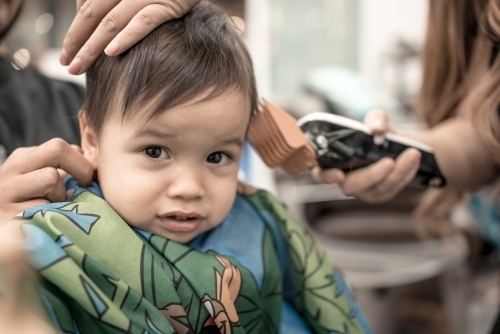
377,121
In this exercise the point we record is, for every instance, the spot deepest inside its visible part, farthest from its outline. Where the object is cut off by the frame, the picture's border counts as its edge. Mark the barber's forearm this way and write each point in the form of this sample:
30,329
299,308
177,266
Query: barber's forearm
462,158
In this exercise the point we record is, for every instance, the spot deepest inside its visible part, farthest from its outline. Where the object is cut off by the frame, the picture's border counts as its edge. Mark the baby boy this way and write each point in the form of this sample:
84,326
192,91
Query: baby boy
164,126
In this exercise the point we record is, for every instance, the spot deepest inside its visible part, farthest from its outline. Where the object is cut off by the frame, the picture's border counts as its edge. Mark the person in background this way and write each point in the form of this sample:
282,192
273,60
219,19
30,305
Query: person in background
459,100
33,107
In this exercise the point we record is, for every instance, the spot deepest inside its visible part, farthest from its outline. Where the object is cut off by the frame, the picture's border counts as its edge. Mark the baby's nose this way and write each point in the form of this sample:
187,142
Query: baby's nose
187,186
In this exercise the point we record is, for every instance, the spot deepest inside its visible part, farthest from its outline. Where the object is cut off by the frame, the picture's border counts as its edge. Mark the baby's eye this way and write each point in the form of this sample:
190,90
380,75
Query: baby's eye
217,158
156,152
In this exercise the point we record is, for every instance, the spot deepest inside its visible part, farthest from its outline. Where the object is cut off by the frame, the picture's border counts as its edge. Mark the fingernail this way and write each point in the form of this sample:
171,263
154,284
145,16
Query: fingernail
75,67
335,176
376,123
112,49
63,58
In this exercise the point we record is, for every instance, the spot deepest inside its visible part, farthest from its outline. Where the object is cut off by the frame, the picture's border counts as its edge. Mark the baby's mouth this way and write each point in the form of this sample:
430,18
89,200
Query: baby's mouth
181,222
181,218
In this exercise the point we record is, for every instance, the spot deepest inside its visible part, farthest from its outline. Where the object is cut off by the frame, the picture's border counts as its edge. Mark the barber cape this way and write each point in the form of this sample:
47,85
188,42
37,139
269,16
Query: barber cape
259,271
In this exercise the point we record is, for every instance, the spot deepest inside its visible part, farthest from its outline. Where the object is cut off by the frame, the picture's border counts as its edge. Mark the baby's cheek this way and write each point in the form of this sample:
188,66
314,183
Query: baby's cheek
128,200
224,200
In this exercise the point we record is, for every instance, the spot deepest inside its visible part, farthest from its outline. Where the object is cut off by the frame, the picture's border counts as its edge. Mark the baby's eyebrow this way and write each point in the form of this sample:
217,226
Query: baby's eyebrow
232,141
151,133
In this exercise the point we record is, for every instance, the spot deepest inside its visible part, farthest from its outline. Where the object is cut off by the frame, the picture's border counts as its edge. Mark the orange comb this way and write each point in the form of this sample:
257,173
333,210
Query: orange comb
279,141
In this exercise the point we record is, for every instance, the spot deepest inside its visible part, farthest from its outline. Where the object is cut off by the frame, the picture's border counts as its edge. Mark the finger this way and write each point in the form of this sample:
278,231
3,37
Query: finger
44,183
31,204
405,169
376,120
17,157
19,152
328,176
146,21
89,16
373,196
139,27
63,173
110,26
114,22
7,213
56,153
365,178
140,18
79,4
77,148
23,206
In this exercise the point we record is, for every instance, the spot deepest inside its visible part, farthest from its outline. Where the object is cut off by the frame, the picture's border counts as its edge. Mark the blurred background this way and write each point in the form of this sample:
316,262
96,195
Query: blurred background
345,57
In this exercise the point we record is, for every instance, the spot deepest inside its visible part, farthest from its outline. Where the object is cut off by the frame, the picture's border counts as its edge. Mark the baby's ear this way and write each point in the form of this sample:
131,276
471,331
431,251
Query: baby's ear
89,140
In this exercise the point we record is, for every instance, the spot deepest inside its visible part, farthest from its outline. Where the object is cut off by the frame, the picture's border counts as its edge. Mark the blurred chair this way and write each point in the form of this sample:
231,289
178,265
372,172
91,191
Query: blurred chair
377,249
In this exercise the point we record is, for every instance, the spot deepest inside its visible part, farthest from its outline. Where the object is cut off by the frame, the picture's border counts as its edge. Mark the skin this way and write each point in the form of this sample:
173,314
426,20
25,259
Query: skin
457,149
17,313
29,177
33,176
200,146
183,163
114,26
110,26
463,159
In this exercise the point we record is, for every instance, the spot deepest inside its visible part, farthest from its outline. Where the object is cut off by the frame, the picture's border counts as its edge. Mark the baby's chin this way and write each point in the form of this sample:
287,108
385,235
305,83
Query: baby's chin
180,239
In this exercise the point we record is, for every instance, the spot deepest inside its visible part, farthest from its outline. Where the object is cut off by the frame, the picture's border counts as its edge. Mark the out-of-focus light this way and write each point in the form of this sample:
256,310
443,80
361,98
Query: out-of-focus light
316,18
239,24
21,59
44,23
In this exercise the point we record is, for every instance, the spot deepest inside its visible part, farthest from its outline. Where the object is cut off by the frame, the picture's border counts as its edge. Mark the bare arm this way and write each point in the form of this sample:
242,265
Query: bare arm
465,162
462,158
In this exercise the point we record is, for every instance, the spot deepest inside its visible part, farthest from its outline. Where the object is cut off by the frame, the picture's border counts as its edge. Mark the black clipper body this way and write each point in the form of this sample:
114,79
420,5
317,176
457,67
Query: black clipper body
346,144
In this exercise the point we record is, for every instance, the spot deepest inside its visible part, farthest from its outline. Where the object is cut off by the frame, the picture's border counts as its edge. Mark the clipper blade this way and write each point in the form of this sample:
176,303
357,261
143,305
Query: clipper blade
279,140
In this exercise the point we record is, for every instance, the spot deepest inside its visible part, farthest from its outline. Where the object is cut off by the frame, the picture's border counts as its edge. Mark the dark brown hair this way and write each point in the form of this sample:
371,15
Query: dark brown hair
198,54
453,25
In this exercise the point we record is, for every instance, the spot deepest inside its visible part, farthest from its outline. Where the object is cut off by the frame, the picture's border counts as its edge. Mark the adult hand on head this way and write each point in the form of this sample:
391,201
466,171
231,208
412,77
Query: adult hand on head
114,26
380,181
31,176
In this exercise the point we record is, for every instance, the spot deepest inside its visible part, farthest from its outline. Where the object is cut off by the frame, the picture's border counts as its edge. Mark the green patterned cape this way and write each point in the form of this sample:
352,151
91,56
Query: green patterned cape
258,272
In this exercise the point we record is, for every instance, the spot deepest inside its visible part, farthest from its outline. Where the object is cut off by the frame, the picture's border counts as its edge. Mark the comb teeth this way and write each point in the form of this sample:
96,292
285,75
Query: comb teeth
279,141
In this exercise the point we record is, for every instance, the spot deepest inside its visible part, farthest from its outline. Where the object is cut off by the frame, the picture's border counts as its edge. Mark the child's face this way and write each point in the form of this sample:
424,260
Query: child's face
176,175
